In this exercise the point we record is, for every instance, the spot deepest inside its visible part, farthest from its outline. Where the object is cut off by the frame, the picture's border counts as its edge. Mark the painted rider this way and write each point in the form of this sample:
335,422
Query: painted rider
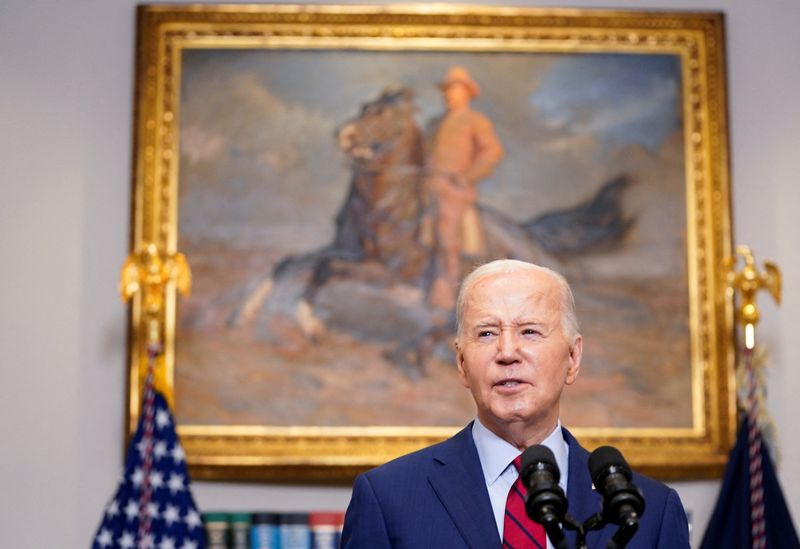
463,149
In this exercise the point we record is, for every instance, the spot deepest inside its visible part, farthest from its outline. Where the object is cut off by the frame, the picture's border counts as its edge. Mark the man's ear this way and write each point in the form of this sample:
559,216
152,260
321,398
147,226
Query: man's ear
462,373
575,355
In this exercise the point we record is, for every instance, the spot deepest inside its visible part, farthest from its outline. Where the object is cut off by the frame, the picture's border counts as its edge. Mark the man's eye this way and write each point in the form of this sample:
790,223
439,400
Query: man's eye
485,333
530,331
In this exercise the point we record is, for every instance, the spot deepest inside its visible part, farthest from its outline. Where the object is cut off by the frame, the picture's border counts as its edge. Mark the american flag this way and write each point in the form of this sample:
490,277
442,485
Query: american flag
153,507
751,512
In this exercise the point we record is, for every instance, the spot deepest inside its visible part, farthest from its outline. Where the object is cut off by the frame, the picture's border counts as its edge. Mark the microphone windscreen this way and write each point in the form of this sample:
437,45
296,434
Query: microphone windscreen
538,457
603,459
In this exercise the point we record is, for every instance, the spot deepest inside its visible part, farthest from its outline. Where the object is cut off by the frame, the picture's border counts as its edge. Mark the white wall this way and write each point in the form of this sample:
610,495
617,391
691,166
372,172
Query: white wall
66,79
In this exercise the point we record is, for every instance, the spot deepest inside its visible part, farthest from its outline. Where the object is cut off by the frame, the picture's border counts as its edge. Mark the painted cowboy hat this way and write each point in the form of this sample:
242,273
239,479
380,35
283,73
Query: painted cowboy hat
459,75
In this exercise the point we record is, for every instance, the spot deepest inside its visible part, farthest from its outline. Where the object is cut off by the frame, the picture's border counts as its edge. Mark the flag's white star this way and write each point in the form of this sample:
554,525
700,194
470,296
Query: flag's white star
160,449
147,542
104,538
142,447
113,508
175,483
126,540
156,480
177,453
162,419
152,510
188,544
193,519
137,477
131,510
171,514
167,543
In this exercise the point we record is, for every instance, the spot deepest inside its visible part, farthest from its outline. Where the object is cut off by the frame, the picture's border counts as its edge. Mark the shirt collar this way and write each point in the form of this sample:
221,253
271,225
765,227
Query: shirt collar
496,454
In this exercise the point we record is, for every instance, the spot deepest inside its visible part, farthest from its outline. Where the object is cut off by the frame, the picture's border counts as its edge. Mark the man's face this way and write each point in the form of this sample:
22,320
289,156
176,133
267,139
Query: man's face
512,353
457,96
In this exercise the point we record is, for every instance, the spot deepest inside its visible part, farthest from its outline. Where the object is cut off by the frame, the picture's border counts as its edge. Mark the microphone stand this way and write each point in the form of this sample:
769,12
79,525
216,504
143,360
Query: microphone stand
595,522
571,524
554,531
623,535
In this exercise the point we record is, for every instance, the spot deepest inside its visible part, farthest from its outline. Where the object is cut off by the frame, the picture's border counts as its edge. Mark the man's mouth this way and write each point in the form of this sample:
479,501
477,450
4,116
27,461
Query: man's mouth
509,383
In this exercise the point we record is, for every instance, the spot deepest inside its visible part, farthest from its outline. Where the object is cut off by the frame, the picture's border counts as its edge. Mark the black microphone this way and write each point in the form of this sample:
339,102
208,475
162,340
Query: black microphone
623,501
545,501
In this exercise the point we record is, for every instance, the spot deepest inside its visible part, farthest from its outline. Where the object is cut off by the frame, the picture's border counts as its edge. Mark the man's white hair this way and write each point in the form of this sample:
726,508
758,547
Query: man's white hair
569,321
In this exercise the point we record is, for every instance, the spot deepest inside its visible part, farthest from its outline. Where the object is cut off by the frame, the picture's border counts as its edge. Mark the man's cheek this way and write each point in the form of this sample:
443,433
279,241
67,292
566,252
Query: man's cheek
462,375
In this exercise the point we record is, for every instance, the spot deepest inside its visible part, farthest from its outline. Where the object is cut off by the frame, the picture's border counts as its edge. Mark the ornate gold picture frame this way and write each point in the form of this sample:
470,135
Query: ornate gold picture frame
285,362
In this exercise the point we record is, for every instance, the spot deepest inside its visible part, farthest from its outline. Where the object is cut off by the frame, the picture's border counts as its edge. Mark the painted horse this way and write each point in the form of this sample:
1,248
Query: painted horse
381,216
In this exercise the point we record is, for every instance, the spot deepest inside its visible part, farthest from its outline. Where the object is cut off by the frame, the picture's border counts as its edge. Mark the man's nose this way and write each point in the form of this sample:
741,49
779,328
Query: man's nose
507,347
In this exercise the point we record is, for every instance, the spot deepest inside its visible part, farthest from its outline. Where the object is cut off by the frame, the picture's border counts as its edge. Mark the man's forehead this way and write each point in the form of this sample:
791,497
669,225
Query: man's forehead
534,282
534,306
495,320
493,292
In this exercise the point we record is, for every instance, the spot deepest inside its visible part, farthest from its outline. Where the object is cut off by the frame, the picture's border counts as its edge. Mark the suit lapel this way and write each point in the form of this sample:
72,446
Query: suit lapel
460,486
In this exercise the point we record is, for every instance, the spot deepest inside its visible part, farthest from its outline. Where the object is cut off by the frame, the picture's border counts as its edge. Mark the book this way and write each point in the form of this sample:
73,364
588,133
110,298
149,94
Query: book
326,529
265,531
294,531
217,530
239,530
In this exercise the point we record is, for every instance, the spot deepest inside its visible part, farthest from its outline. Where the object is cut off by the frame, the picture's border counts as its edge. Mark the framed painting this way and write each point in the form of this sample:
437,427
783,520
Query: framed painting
286,150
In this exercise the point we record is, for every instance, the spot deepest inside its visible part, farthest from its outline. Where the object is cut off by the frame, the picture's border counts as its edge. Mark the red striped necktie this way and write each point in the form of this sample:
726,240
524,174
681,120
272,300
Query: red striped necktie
519,531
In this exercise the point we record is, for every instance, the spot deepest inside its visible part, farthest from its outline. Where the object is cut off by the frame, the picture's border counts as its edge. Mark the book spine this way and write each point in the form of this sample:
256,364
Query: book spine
265,532
325,537
326,530
217,530
294,531
239,535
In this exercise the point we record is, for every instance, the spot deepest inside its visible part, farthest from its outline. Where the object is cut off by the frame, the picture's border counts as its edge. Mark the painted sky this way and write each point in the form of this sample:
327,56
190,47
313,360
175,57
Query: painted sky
630,99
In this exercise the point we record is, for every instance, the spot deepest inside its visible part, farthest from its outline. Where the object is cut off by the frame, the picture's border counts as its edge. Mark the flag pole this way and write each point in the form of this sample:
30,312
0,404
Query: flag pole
148,273
747,282
152,505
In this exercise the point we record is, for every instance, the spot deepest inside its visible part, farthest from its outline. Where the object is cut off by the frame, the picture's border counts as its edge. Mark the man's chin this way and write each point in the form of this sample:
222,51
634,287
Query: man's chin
513,416
517,412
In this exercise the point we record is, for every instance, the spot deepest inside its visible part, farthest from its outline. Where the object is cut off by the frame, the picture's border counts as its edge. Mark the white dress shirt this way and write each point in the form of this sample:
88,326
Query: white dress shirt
500,474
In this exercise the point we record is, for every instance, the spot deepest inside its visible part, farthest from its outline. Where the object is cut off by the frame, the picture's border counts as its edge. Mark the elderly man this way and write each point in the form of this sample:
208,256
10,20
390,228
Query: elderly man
517,347
462,150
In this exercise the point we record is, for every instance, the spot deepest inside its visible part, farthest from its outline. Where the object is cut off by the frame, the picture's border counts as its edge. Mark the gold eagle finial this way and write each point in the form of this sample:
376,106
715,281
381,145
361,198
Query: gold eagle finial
748,281
147,272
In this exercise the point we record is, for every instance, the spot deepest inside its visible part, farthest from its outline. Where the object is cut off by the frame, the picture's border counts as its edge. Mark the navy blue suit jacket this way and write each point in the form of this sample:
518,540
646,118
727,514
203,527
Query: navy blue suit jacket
437,497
